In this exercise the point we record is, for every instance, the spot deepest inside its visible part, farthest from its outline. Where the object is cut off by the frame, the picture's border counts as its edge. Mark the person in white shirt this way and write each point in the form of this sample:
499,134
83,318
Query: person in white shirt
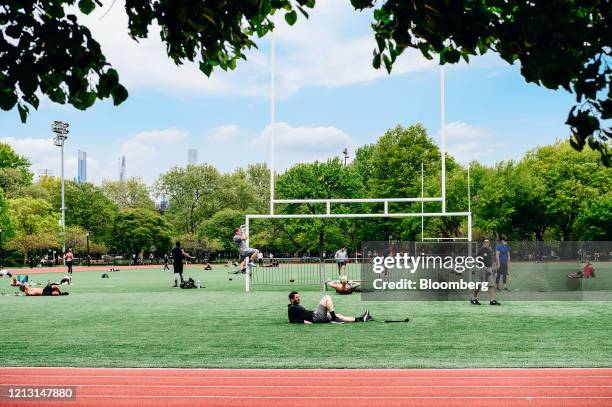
341,257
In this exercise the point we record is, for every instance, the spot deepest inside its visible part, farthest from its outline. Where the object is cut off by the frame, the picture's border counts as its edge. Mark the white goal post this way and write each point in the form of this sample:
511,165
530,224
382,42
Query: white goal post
329,202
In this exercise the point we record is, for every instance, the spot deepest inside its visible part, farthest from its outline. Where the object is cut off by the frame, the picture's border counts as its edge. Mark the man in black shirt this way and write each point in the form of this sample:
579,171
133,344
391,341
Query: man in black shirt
323,314
485,274
178,255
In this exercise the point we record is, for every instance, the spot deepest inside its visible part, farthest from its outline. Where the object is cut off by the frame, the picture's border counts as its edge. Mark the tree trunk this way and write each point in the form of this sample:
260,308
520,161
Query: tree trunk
321,241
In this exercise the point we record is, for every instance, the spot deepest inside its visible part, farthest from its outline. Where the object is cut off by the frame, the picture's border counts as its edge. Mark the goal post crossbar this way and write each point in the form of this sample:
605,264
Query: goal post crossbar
356,200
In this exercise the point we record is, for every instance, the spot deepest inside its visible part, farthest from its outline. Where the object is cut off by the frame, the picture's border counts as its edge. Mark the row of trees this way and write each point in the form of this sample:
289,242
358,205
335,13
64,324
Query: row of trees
553,193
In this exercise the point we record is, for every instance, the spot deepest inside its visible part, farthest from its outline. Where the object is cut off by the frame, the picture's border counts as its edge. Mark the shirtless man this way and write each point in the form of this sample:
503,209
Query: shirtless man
344,286
49,290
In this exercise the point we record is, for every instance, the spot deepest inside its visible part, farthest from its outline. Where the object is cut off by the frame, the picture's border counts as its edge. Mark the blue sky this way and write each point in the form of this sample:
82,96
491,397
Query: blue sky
329,98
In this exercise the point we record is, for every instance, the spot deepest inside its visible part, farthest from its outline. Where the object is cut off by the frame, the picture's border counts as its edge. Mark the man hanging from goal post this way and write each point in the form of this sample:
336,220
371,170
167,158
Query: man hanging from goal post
240,238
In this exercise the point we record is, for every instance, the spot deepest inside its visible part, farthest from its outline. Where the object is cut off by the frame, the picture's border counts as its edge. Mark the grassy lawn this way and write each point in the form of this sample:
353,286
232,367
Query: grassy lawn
135,319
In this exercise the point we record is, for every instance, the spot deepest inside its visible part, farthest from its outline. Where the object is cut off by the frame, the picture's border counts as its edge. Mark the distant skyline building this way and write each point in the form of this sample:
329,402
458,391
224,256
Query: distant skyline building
122,168
82,173
163,204
192,156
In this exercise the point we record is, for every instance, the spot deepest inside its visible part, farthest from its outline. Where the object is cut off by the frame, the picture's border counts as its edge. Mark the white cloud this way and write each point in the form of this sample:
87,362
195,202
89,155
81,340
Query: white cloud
467,143
44,155
302,144
147,152
331,48
304,139
224,133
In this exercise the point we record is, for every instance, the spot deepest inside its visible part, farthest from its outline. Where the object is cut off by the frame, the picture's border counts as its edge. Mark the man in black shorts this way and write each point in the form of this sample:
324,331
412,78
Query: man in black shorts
49,290
324,314
485,274
178,255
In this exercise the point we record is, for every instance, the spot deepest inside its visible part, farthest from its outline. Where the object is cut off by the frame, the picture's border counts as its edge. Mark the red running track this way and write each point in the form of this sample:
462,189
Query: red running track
354,388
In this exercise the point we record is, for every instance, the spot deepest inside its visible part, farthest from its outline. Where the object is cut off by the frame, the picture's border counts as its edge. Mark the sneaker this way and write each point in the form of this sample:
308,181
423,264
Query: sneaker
474,301
494,302
336,321
367,316
251,264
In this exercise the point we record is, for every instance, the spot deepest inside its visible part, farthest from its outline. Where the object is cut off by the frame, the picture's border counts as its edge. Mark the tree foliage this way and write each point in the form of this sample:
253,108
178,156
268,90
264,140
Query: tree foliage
138,230
14,170
131,193
36,225
87,207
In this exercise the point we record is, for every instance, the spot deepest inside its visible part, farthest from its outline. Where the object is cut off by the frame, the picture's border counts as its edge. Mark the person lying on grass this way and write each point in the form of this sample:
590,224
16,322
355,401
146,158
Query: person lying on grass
49,290
20,280
343,286
66,280
587,272
324,313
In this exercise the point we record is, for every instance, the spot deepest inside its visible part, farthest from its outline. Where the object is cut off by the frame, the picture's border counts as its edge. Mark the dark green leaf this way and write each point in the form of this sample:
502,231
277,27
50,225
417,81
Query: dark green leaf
291,17
86,6
119,94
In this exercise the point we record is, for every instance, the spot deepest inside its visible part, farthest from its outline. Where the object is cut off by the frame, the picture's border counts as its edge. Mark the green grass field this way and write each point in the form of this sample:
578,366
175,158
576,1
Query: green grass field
135,319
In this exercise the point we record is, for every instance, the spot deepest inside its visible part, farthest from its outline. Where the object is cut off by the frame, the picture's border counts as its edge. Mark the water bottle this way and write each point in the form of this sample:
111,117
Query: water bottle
198,284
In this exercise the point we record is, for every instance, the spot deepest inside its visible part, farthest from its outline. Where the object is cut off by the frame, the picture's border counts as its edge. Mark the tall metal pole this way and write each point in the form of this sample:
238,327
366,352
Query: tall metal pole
63,207
247,276
469,192
443,136
422,204
61,134
272,116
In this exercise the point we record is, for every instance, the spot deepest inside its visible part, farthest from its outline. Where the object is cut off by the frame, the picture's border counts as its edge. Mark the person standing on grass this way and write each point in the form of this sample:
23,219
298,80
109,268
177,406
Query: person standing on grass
69,258
178,255
166,261
341,257
502,260
485,274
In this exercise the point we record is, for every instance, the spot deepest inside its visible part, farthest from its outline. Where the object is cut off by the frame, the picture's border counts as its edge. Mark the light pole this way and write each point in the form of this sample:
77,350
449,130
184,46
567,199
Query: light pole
88,257
61,134
346,155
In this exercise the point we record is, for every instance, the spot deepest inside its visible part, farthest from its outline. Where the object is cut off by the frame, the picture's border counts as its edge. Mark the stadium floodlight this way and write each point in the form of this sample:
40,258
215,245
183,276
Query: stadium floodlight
60,129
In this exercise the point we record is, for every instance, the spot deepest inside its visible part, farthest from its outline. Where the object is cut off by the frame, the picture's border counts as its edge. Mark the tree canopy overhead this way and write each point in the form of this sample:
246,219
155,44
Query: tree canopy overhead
561,43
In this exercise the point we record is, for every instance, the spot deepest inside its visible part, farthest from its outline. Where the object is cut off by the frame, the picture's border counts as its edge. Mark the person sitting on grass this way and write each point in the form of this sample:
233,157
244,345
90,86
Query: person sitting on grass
324,313
587,272
49,290
207,266
5,272
344,286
